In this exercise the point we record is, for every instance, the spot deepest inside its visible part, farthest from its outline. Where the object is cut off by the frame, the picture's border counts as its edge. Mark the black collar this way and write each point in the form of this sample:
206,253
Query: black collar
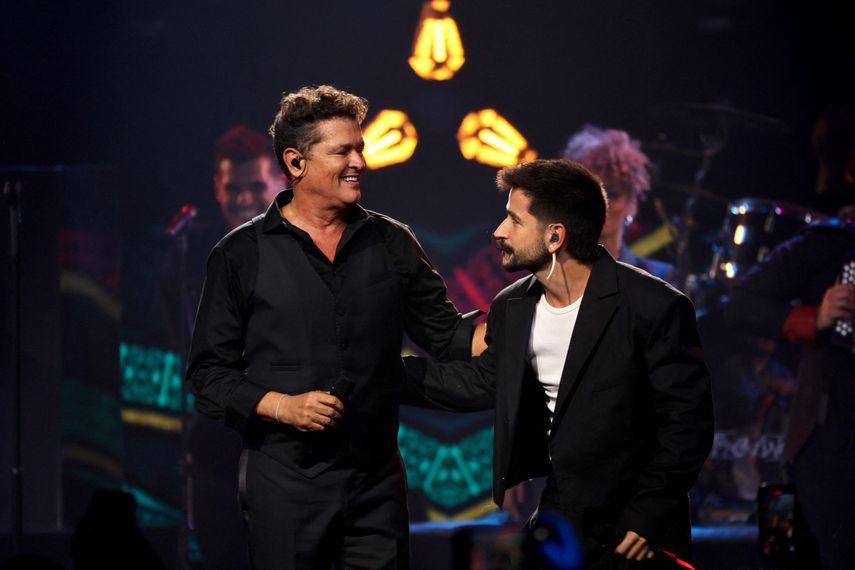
273,220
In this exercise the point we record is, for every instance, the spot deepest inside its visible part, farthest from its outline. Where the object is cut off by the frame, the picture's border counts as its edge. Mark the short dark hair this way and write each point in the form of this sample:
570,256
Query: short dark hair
563,192
300,111
240,144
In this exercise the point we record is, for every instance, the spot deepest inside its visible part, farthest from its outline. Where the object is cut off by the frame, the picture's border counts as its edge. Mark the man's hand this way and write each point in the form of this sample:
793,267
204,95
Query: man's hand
837,303
634,547
310,411
479,343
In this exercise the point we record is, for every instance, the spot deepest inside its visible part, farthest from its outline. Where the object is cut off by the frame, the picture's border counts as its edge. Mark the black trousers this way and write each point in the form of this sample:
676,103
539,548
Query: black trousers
597,535
346,518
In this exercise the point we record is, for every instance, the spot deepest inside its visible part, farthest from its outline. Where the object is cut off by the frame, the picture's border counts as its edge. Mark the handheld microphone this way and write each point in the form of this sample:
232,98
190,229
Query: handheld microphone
343,388
182,220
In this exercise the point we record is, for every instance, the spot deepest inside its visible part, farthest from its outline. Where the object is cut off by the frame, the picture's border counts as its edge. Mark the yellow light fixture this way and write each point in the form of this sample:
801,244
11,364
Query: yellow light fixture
739,234
389,139
488,138
437,49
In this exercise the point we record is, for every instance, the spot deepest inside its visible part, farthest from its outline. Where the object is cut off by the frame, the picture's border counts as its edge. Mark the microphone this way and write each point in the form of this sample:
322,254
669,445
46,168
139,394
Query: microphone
182,221
342,388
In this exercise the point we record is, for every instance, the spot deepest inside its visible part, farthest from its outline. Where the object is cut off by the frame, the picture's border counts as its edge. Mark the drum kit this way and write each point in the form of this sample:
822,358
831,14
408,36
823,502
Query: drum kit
710,259
718,238
754,379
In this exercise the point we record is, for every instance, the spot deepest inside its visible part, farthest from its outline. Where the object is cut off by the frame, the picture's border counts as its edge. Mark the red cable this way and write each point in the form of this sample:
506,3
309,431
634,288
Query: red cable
682,563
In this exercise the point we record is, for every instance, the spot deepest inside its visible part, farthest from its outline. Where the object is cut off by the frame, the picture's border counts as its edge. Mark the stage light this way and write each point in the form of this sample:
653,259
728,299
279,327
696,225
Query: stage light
729,269
739,234
389,139
437,50
488,138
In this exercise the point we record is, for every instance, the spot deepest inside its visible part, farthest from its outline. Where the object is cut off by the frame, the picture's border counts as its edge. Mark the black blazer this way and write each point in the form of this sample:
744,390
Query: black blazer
633,422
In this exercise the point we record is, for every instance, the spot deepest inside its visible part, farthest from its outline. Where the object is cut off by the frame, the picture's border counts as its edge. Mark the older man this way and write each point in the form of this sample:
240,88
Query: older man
297,344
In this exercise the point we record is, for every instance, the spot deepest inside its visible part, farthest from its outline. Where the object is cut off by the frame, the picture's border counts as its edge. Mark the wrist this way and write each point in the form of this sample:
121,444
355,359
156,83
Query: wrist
276,409
267,407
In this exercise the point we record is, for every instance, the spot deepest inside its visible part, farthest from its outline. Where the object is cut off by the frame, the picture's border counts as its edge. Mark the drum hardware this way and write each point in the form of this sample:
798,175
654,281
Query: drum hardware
751,229
700,116
709,127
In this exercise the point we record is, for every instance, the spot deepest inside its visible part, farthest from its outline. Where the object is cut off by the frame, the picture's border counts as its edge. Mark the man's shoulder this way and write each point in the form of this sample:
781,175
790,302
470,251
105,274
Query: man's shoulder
515,290
388,225
638,283
240,241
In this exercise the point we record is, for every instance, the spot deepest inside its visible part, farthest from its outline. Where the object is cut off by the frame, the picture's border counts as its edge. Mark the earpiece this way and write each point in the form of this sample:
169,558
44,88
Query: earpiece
553,238
295,162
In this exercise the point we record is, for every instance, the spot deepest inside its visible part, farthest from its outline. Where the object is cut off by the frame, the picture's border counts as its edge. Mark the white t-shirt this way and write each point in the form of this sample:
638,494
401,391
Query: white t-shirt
551,331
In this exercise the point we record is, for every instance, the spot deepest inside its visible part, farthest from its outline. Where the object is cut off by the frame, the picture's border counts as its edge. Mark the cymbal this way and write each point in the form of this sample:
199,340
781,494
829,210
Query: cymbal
664,145
694,191
720,116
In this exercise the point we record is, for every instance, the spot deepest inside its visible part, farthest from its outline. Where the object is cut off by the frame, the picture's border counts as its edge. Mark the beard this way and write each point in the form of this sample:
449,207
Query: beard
531,258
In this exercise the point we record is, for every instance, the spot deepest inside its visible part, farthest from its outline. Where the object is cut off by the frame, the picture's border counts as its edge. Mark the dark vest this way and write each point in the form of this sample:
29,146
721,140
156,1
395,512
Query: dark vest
302,337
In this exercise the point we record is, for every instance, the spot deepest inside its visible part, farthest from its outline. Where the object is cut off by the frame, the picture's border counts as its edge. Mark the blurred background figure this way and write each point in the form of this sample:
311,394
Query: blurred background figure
804,293
797,294
833,141
247,177
625,171
108,537
246,180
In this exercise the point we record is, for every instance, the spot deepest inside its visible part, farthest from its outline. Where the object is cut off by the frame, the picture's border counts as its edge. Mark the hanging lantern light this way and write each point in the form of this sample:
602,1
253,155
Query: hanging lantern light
437,49
487,137
389,139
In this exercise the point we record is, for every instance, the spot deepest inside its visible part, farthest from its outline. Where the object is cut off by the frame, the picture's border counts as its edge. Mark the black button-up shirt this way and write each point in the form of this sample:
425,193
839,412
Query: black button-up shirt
265,323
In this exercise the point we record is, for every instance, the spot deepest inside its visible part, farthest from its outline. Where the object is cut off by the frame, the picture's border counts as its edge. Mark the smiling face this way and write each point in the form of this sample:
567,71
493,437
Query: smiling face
332,167
244,189
520,236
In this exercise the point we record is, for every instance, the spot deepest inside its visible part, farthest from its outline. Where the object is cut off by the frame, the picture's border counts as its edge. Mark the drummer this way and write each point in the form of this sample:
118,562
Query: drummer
625,171
833,141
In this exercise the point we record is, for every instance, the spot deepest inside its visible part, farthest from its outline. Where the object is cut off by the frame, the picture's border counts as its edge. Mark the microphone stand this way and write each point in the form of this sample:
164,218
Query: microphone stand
181,236
12,197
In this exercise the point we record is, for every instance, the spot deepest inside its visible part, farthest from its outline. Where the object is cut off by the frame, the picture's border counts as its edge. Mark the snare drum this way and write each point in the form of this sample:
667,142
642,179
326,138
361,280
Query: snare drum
752,228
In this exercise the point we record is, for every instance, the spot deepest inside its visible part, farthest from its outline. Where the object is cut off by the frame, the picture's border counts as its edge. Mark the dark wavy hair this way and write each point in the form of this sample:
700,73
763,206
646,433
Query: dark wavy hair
565,192
299,113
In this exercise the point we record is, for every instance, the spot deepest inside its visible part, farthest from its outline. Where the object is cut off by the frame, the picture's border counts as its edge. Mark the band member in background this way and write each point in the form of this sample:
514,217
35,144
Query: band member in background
625,171
804,293
833,141
246,180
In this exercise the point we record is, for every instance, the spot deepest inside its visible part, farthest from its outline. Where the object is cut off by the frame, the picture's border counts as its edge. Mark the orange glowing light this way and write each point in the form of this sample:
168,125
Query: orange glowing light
389,139
487,137
437,49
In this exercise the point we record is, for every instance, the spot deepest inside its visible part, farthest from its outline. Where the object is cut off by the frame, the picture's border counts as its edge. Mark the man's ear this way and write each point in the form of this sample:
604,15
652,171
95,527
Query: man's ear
632,207
294,161
555,235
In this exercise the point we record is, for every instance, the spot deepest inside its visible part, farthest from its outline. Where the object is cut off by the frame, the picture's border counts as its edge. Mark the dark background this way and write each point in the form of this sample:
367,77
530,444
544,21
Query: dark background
144,88
148,86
